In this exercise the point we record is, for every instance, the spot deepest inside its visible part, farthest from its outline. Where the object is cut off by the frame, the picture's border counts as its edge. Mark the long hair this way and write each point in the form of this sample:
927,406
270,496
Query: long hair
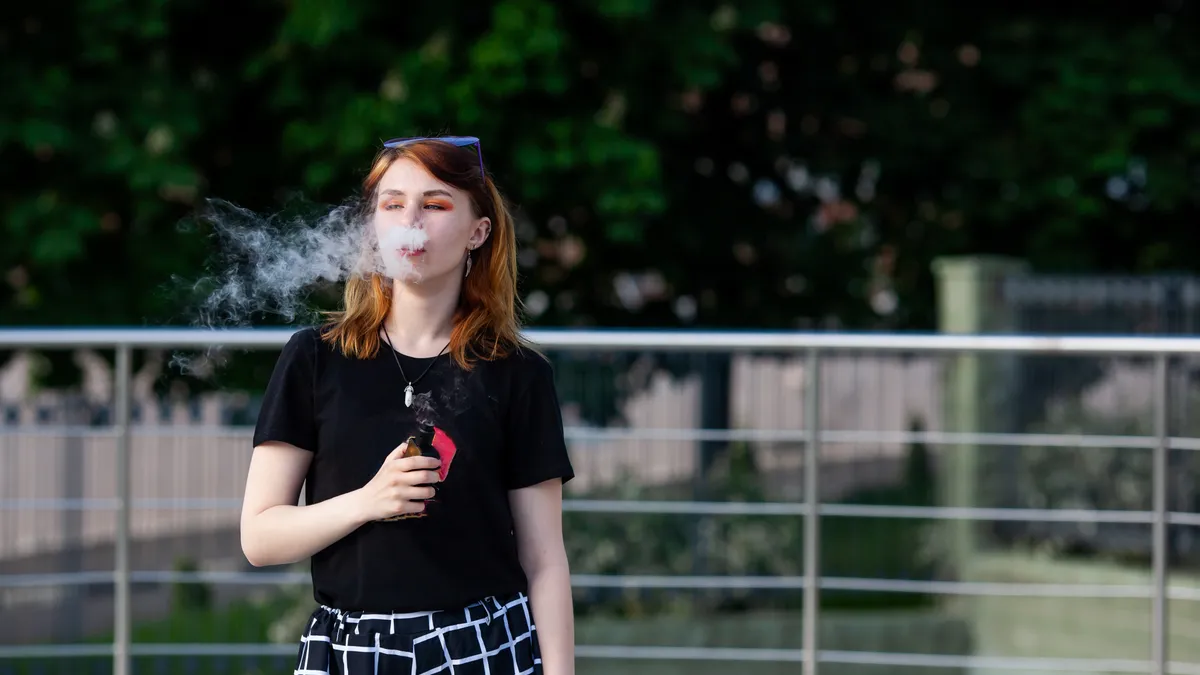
485,323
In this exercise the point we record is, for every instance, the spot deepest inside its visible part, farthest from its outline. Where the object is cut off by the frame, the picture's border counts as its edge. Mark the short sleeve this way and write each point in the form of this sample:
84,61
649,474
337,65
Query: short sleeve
536,447
288,413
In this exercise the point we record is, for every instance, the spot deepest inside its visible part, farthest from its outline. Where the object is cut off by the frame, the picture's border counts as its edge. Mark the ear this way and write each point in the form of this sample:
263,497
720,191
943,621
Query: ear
482,230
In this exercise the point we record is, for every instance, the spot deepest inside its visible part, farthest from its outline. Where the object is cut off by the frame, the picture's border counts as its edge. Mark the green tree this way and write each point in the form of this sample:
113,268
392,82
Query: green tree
759,164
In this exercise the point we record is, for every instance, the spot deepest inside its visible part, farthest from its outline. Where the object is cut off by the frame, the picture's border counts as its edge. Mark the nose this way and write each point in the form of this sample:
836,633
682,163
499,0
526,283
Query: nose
404,217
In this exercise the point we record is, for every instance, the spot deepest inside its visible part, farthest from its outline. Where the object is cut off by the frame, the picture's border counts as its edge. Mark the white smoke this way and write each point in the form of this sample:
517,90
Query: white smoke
271,265
264,266
395,239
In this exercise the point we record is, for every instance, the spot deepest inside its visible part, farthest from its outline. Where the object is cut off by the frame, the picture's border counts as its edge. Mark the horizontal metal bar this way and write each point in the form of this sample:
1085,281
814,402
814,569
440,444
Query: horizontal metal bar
799,436
216,649
971,588
143,431
871,511
735,654
1185,593
985,588
987,514
213,649
990,439
670,581
662,507
57,431
588,434
56,579
102,504
1176,518
1174,443
100,338
626,339
1064,665
651,653
214,577
895,659
56,651
55,504
855,436
650,581
671,507
154,577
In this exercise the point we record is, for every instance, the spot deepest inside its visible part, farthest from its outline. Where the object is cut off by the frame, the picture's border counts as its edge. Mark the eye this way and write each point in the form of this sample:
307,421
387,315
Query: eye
437,206
392,206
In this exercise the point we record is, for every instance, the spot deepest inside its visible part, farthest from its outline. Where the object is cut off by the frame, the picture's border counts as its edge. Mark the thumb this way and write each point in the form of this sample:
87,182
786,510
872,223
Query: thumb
398,452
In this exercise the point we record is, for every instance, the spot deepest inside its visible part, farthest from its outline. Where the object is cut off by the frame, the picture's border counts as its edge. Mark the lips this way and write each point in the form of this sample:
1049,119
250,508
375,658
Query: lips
409,252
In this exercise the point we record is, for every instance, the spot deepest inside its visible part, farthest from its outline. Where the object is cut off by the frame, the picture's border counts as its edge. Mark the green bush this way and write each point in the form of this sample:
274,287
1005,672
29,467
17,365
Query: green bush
671,544
190,596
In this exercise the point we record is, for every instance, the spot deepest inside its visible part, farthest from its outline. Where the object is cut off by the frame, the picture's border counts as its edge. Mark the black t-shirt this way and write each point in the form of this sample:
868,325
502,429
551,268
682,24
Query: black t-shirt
498,427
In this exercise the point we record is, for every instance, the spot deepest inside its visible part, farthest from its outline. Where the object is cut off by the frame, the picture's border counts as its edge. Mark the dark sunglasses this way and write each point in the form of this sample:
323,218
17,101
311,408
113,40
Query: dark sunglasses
457,141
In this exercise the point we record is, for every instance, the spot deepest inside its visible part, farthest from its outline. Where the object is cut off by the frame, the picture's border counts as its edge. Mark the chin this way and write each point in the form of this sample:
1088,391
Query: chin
426,273
403,270
420,275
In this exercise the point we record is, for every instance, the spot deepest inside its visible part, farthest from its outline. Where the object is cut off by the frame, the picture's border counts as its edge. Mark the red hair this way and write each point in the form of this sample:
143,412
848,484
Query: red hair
485,322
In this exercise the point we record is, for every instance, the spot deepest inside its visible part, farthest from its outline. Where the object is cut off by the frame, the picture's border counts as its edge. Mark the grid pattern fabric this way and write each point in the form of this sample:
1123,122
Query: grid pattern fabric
495,636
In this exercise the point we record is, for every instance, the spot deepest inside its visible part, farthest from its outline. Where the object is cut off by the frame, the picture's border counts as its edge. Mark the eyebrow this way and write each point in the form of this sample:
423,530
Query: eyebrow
427,193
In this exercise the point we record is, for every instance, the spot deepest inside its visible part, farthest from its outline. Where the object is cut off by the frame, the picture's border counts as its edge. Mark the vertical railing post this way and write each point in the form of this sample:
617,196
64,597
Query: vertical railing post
1158,625
121,612
812,513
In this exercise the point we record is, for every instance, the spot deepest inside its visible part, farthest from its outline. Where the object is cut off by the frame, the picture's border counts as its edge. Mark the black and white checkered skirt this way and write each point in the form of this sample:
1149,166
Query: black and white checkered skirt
495,636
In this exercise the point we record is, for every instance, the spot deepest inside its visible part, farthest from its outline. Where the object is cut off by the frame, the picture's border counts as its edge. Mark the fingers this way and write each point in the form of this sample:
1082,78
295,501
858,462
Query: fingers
396,461
407,507
417,478
418,463
411,499
397,453
396,476
406,482
419,495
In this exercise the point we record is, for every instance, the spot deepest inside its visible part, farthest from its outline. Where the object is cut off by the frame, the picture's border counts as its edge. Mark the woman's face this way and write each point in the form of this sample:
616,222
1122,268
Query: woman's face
424,226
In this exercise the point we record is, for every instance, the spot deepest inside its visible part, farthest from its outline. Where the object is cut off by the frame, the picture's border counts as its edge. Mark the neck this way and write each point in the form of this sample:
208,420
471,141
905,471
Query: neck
421,317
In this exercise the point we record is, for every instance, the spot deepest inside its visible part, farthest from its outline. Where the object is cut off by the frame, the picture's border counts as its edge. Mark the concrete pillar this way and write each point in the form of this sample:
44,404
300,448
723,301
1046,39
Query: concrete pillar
978,387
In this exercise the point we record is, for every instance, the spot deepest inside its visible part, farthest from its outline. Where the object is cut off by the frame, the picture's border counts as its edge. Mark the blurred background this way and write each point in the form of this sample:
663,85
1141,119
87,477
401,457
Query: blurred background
808,171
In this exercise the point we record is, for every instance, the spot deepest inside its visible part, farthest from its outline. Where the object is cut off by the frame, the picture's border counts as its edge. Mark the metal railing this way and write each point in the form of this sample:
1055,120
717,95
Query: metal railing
815,347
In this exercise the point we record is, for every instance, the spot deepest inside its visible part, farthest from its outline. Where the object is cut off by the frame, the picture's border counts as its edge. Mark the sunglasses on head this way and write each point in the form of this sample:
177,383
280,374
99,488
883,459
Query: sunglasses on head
457,141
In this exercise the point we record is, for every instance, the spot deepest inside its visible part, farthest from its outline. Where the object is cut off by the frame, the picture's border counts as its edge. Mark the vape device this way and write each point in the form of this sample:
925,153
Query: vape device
420,443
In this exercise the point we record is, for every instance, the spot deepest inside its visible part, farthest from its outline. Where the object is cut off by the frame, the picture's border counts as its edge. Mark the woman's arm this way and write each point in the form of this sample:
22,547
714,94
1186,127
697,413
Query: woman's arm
537,515
275,531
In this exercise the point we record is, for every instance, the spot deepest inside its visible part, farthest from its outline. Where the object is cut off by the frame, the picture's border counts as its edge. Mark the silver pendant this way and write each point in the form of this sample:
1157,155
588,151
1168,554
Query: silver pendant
408,396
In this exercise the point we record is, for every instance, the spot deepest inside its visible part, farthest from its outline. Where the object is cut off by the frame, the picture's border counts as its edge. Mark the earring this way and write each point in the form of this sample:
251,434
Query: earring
468,264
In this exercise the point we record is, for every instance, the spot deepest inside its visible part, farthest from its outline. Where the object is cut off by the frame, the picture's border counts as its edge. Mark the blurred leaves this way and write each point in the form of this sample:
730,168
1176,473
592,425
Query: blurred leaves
748,164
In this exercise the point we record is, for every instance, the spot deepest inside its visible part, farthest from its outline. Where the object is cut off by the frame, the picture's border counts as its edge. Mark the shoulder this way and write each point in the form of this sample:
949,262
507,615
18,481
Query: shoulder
304,342
521,367
308,337
307,345
524,363
525,374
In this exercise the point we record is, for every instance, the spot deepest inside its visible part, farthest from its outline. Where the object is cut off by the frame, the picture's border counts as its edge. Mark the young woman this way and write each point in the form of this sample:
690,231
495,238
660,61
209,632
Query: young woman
429,440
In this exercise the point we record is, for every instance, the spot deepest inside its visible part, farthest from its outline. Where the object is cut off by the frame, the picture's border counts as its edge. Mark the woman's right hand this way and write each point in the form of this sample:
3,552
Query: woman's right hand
400,485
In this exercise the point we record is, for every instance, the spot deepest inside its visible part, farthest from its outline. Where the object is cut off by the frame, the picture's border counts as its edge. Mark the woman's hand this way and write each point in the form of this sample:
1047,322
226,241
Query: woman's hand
537,519
275,531
399,487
